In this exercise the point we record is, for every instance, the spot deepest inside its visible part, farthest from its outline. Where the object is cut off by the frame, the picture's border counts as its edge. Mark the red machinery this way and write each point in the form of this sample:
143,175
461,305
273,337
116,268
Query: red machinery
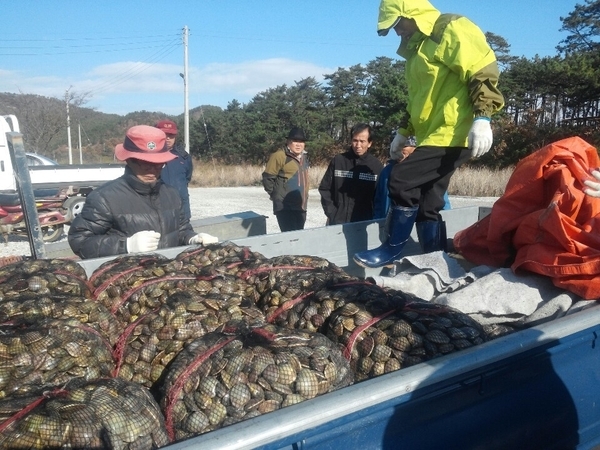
52,214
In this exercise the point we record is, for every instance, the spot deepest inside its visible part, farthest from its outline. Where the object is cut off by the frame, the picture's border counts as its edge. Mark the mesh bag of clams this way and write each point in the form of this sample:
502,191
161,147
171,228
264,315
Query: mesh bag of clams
122,267
35,277
117,280
392,331
288,289
148,345
225,258
263,273
129,294
50,354
81,309
98,414
241,372
313,311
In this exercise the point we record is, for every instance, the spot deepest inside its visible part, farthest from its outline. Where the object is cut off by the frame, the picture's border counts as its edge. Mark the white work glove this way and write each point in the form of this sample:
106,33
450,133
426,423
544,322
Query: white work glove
480,137
203,238
594,187
143,241
396,147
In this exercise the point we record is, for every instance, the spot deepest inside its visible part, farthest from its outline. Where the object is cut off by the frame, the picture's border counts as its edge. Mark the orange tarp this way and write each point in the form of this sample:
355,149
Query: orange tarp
544,223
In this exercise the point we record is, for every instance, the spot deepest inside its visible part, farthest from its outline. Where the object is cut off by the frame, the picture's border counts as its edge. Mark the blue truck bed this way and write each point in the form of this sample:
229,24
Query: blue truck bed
534,389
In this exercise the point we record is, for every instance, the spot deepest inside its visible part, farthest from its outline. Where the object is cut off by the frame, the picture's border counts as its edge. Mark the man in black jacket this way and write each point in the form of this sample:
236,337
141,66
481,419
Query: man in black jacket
137,212
348,186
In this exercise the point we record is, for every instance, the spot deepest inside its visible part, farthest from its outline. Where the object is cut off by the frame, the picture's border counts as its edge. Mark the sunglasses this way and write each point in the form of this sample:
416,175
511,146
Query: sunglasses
146,164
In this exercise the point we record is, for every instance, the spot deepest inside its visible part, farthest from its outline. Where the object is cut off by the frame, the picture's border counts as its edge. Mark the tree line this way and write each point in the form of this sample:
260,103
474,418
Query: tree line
547,99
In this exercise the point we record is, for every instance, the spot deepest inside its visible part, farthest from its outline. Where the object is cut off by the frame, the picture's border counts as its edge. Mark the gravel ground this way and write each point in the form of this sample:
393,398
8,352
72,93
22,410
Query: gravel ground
209,202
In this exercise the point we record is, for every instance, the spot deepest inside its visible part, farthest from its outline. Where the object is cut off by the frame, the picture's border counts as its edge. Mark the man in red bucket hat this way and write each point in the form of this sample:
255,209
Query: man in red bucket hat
178,171
137,212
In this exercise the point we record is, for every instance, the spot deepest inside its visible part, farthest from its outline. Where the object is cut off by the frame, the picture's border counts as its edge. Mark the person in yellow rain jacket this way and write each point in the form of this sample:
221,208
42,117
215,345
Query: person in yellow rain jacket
452,76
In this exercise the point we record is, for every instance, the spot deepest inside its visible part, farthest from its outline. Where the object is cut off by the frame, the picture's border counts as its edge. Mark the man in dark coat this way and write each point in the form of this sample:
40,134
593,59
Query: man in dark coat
137,212
348,185
178,171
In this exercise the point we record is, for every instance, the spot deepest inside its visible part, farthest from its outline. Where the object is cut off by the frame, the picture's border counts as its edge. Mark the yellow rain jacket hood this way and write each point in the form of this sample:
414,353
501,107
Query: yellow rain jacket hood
421,11
451,73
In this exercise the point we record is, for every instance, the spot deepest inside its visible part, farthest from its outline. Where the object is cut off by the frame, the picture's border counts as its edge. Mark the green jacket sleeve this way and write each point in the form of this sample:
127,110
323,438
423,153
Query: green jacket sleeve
465,50
484,93
272,169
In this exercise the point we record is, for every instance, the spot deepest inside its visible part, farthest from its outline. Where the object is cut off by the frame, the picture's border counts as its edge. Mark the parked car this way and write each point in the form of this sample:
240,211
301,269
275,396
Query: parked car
33,159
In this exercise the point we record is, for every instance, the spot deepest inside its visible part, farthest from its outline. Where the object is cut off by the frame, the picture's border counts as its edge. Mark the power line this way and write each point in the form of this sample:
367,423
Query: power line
50,47
78,46
86,135
89,38
170,42
135,69
73,53
87,45
206,131
278,39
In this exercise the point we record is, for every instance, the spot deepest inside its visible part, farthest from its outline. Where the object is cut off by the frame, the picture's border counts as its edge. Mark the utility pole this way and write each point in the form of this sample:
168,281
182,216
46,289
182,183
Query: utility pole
186,108
67,99
80,152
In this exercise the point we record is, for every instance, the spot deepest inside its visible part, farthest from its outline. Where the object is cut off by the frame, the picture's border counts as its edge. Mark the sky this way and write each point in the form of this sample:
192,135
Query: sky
128,55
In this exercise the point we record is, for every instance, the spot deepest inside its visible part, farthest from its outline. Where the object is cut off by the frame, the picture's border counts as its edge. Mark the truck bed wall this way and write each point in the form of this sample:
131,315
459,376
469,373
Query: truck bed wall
336,243
78,175
227,227
48,177
339,243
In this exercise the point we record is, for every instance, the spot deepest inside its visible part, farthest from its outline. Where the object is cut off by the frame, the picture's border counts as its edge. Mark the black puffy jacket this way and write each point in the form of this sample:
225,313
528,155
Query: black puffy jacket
121,208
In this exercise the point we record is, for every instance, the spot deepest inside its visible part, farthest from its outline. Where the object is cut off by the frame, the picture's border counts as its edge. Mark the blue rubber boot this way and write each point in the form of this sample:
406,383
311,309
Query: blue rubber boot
432,235
401,222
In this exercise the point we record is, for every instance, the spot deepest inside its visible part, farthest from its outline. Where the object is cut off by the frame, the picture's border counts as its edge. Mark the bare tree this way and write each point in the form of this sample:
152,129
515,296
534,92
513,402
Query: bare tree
43,119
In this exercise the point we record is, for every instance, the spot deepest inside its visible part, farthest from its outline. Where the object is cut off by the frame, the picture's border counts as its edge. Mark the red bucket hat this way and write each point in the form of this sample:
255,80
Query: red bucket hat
145,143
168,126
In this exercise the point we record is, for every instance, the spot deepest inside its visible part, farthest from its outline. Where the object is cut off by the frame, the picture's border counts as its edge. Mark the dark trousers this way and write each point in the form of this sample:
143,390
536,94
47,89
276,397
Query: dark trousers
423,178
290,220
